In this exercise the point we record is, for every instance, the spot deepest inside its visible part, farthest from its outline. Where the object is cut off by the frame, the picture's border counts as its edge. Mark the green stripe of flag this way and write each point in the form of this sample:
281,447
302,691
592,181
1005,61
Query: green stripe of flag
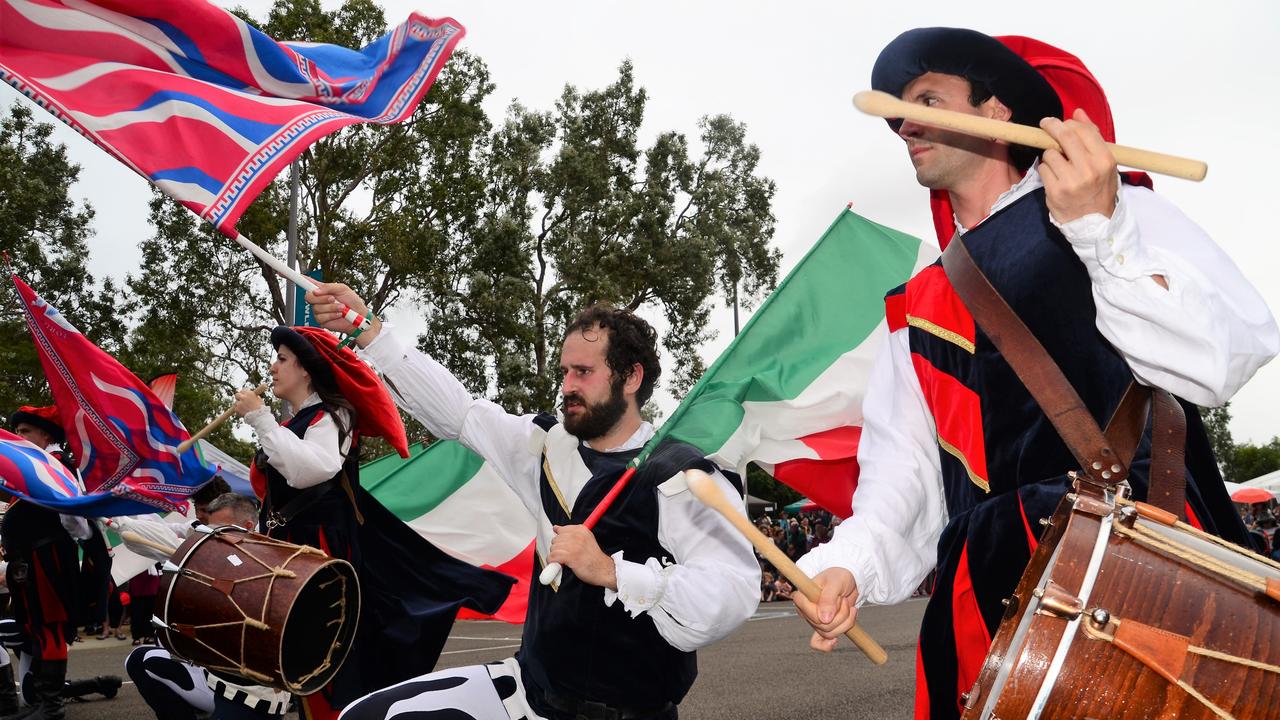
443,468
829,303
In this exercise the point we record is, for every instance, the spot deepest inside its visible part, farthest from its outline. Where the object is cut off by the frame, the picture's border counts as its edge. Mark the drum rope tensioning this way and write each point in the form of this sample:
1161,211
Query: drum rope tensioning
306,605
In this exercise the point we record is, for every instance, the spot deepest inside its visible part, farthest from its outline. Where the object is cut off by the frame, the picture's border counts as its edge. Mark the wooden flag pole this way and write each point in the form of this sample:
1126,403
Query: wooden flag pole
881,104
185,445
704,488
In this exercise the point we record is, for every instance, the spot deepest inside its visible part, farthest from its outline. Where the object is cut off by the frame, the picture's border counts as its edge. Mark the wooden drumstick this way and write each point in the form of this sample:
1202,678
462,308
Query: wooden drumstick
185,445
704,488
882,104
132,537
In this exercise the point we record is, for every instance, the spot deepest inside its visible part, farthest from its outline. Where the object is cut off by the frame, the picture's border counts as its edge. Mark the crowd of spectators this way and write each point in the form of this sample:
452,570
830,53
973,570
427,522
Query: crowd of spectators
1260,519
797,533
794,534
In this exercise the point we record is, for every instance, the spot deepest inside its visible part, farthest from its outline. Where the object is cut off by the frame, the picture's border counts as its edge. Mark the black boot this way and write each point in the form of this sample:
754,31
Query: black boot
8,692
48,678
105,685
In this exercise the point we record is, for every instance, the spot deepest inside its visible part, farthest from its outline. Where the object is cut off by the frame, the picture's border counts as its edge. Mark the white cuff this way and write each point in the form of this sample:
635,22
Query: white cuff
848,556
261,420
1109,247
640,587
386,351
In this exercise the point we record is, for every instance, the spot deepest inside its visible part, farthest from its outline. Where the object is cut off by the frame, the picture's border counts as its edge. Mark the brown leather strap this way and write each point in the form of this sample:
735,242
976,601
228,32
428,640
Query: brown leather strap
1167,488
1128,422
1104,458
1034,367
1160,650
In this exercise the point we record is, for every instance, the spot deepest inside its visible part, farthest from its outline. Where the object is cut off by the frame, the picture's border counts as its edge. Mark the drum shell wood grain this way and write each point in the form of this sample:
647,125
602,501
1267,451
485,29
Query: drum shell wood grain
1136,582
205,624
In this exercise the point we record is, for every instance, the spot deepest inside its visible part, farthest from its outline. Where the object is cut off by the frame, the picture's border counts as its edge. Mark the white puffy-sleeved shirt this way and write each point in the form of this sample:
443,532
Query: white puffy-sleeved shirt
714,585
1201,339
304,461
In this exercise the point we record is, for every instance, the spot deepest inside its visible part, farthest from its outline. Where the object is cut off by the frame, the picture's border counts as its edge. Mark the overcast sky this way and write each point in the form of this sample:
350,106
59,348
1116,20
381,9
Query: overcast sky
1189,78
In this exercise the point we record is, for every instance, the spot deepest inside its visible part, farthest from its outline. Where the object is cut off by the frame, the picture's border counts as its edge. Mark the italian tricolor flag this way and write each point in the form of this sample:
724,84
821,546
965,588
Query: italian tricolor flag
786,394
454,498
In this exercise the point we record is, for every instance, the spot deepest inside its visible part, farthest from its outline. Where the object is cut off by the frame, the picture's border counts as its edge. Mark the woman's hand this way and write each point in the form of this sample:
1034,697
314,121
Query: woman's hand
246,402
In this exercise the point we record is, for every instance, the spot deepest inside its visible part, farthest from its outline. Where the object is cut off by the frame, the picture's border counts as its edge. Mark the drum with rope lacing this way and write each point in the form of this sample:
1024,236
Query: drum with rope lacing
244,604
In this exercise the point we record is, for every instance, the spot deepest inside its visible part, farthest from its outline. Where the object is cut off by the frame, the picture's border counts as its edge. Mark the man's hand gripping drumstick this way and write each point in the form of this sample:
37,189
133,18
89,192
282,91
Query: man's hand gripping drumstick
816,598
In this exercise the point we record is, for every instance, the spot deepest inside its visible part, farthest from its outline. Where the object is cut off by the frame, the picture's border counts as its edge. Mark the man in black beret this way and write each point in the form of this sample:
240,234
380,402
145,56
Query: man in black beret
957,462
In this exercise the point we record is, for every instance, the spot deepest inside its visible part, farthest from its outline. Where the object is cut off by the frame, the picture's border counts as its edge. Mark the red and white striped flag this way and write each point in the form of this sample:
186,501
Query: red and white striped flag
200,103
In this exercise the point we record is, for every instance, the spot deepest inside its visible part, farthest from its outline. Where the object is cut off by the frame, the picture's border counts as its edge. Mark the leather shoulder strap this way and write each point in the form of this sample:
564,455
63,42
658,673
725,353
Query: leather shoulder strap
1168,473
1034,367
1104,458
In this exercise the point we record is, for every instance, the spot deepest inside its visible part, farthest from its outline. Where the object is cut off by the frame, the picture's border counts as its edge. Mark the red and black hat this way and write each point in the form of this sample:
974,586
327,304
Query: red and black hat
1074,86
45,418
338,369
969,54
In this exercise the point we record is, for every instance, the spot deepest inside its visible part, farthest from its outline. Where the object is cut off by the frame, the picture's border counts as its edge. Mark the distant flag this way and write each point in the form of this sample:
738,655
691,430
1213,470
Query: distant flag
200,103
122,436
165,386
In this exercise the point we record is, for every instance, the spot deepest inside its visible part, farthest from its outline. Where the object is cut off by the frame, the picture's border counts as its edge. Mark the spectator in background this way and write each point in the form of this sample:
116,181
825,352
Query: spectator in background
782,589
768,593
142,593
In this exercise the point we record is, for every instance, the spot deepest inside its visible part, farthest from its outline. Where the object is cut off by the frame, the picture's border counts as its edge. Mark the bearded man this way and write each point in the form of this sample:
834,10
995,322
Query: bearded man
660,576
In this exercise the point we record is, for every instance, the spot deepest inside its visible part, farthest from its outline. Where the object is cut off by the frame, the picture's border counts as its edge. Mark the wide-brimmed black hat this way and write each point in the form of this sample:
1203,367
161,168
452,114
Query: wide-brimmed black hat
309,358
45,418
969,54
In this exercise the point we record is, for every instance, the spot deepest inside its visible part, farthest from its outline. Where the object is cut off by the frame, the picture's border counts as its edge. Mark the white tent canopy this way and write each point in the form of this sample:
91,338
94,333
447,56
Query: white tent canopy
1270,481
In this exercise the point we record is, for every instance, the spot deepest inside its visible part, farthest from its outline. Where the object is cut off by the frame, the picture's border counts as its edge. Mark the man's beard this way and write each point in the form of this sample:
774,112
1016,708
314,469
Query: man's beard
596,419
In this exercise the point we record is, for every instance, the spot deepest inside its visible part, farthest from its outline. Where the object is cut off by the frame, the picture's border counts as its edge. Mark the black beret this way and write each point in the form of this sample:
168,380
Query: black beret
969,54
309,358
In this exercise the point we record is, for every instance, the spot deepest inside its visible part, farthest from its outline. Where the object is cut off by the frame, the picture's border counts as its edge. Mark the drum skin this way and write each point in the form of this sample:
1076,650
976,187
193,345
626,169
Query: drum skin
1134,581
270,612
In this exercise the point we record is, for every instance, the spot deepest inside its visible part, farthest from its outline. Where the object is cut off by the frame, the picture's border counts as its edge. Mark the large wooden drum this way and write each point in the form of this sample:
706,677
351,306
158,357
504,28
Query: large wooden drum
274,613
1124,612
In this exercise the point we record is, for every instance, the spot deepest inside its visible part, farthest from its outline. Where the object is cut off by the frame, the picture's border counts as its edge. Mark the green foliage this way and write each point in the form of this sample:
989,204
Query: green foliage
1251,461
763,486
44,233
1239,462
577,212
1217,423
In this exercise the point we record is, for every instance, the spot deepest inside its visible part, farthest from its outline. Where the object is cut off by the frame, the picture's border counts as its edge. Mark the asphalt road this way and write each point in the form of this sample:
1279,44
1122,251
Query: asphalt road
764,670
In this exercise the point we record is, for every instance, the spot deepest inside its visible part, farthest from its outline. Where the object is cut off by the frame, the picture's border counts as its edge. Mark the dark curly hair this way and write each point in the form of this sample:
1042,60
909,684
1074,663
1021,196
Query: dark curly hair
631,341
208,492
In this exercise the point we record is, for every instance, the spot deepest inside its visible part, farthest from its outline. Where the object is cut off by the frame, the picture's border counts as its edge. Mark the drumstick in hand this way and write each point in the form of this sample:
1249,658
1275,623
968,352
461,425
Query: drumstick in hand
704,488
185,445
136,539
880,104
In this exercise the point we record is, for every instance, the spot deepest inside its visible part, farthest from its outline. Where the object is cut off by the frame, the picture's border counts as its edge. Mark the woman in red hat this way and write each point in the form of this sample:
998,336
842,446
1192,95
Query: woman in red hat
308,474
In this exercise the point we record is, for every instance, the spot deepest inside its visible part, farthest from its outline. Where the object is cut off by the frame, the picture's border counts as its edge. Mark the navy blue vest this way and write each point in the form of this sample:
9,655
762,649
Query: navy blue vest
1038,273
333,504
573,645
